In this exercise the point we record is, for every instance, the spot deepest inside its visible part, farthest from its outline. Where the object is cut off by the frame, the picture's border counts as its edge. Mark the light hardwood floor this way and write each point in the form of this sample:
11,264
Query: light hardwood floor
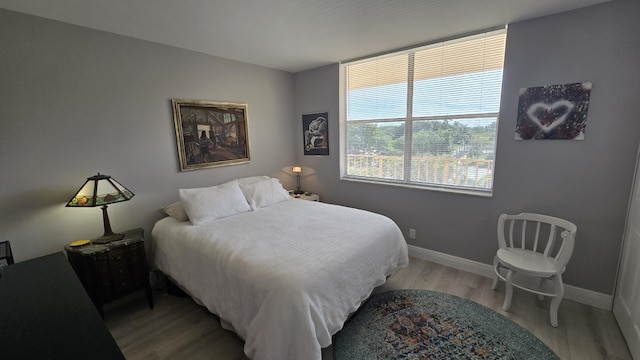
177,328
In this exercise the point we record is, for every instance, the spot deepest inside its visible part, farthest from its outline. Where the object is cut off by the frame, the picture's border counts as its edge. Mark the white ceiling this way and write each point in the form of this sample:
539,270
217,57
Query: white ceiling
291,35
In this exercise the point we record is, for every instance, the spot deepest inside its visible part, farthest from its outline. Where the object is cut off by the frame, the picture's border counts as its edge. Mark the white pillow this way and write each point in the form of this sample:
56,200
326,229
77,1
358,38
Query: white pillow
264,193
251,179
203,205
176,211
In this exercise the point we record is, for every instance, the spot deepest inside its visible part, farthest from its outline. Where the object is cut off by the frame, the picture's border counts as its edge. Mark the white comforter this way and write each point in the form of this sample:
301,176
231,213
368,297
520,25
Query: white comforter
286,277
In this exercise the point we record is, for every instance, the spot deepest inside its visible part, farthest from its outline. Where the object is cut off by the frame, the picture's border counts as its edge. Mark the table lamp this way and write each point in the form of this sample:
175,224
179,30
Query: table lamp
297,170
100,190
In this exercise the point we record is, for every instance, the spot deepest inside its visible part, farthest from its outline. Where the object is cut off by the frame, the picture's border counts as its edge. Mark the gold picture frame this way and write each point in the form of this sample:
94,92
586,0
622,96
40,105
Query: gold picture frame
210,133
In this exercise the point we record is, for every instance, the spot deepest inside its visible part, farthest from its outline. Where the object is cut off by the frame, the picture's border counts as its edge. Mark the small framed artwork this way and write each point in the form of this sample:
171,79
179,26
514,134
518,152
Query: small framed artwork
315,132
210,134
553,112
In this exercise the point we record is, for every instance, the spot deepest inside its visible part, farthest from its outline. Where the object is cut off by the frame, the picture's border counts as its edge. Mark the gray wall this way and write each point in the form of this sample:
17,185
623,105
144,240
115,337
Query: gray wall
587,182
74,102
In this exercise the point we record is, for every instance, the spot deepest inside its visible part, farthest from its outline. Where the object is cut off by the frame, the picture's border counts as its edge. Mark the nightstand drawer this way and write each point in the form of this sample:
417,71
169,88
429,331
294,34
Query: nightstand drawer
119,256
120,271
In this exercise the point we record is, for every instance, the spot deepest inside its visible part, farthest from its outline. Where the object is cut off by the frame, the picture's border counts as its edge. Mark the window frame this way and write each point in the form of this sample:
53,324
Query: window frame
408,121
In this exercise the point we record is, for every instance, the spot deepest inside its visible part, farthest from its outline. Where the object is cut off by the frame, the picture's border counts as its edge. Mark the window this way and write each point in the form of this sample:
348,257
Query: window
425,117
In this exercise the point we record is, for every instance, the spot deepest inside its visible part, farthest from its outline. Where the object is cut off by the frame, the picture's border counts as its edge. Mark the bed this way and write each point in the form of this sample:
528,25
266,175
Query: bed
284,273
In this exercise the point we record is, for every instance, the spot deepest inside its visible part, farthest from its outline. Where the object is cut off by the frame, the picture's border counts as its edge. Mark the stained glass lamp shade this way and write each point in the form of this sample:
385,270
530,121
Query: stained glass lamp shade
100,190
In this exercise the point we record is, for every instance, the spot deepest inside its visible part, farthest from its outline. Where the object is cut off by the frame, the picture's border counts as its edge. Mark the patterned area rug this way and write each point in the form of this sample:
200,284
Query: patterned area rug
421,324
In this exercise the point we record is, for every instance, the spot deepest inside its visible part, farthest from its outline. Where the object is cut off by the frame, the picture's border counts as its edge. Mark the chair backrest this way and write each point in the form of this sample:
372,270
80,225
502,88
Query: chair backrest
544,234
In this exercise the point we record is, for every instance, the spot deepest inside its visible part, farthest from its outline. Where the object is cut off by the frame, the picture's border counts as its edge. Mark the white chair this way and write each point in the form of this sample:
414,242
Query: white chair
527,253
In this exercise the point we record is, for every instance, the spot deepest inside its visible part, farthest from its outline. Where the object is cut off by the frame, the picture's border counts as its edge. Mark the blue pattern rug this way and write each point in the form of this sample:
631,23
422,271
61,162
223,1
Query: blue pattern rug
421,324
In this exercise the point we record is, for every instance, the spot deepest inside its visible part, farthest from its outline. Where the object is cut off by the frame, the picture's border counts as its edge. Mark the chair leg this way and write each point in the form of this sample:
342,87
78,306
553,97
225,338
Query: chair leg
558,288
509,291
495,273
540,296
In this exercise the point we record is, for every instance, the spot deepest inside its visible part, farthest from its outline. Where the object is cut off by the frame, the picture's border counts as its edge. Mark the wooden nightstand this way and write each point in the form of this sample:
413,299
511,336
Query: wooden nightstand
110,271
310,197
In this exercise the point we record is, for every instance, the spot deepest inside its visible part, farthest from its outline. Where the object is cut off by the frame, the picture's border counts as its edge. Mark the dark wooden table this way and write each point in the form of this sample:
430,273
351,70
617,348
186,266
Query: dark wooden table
45,313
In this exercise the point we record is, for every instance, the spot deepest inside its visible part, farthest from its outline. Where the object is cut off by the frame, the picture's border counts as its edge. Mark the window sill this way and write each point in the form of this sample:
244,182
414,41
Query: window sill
481,193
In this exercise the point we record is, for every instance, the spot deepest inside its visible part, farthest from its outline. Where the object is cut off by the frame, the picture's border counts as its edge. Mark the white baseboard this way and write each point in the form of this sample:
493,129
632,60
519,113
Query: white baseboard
573,293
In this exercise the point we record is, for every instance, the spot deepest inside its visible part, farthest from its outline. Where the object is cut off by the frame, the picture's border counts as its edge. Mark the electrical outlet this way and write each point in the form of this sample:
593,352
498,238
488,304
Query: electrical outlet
412,233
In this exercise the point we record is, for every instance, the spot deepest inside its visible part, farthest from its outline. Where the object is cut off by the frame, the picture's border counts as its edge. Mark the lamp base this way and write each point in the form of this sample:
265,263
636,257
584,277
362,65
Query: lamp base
105,239
298,192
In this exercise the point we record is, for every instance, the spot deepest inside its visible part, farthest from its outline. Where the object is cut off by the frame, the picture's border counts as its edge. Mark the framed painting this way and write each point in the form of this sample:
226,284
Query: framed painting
315,132
555,112
210,134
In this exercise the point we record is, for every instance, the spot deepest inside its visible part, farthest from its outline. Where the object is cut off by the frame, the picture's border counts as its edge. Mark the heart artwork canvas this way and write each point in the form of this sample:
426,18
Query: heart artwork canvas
553,112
